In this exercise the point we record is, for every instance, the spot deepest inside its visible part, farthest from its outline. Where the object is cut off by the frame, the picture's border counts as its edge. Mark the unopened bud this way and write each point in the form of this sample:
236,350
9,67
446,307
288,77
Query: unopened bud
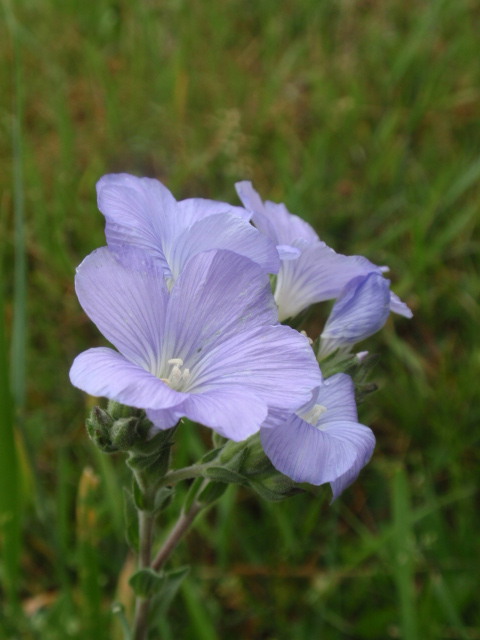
98,426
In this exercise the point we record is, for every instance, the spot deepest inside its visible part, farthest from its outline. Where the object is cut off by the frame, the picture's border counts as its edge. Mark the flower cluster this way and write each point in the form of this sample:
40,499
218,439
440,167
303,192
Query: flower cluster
183,291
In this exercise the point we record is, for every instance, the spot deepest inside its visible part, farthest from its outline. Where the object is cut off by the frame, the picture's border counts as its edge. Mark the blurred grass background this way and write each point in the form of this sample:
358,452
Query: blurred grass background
363,117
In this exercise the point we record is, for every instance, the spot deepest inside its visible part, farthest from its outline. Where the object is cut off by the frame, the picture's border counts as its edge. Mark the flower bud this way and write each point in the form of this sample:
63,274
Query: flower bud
98,426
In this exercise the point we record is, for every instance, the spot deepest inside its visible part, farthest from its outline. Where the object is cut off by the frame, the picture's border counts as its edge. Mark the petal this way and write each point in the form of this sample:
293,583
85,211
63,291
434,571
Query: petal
337,394
288,252
231,411
397,306
274,364
103,372
248,196
362,441
318,274
288,226
218,294
166,418
128,305
139,212
194,209
360,311
274,219
228,232
307,454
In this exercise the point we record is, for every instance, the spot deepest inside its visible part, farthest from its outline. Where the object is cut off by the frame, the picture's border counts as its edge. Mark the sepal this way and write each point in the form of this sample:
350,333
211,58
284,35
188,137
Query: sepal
275,487
151,458
246,463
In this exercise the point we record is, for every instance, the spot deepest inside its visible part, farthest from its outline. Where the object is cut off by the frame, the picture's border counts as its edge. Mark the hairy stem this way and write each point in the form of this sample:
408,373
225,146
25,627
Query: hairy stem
142,605
176,534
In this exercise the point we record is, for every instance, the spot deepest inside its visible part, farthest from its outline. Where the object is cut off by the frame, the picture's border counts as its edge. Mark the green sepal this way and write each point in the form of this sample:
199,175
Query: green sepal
154,465
117,410
254,460
152,457
210,455
275,488
131,520
218,440
159,441
125,432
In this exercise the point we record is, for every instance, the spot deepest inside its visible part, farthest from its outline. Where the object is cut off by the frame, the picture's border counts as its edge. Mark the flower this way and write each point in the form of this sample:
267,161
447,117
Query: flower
322,442
360,311
142,213
210,349
310,271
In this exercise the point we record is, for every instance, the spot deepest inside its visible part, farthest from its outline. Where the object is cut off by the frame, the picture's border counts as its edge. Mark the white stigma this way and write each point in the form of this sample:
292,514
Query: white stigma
312,415
177,378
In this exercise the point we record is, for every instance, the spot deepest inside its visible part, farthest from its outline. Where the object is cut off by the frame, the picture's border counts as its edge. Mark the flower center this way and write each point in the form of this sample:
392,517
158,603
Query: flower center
177,377
312,415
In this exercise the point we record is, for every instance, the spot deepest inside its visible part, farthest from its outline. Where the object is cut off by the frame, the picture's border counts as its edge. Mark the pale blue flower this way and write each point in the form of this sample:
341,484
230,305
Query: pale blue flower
322,442
361,310
142,213
310,271
211,349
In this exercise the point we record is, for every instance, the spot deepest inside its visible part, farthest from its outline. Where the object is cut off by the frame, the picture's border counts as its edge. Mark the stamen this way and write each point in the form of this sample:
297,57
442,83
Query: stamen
177,378
312,415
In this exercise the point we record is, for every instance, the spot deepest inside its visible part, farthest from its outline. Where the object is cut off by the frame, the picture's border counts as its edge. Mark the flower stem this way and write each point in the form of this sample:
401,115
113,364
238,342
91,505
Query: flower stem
176,534
142,605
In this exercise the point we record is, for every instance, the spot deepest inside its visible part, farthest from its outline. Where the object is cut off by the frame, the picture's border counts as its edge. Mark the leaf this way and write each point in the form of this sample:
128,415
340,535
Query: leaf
172,582
223,474
131,520
163,498
139,498
192,493
210,455
147,583
212,492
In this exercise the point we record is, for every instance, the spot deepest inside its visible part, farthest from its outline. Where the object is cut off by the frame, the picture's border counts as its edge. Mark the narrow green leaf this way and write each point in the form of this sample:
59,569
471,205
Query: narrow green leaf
212,492
131,520
403,561
223,474
172,582
147,582
10,494
139,497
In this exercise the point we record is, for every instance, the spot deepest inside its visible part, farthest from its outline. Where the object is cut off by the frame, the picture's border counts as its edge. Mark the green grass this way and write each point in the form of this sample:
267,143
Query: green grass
363,118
